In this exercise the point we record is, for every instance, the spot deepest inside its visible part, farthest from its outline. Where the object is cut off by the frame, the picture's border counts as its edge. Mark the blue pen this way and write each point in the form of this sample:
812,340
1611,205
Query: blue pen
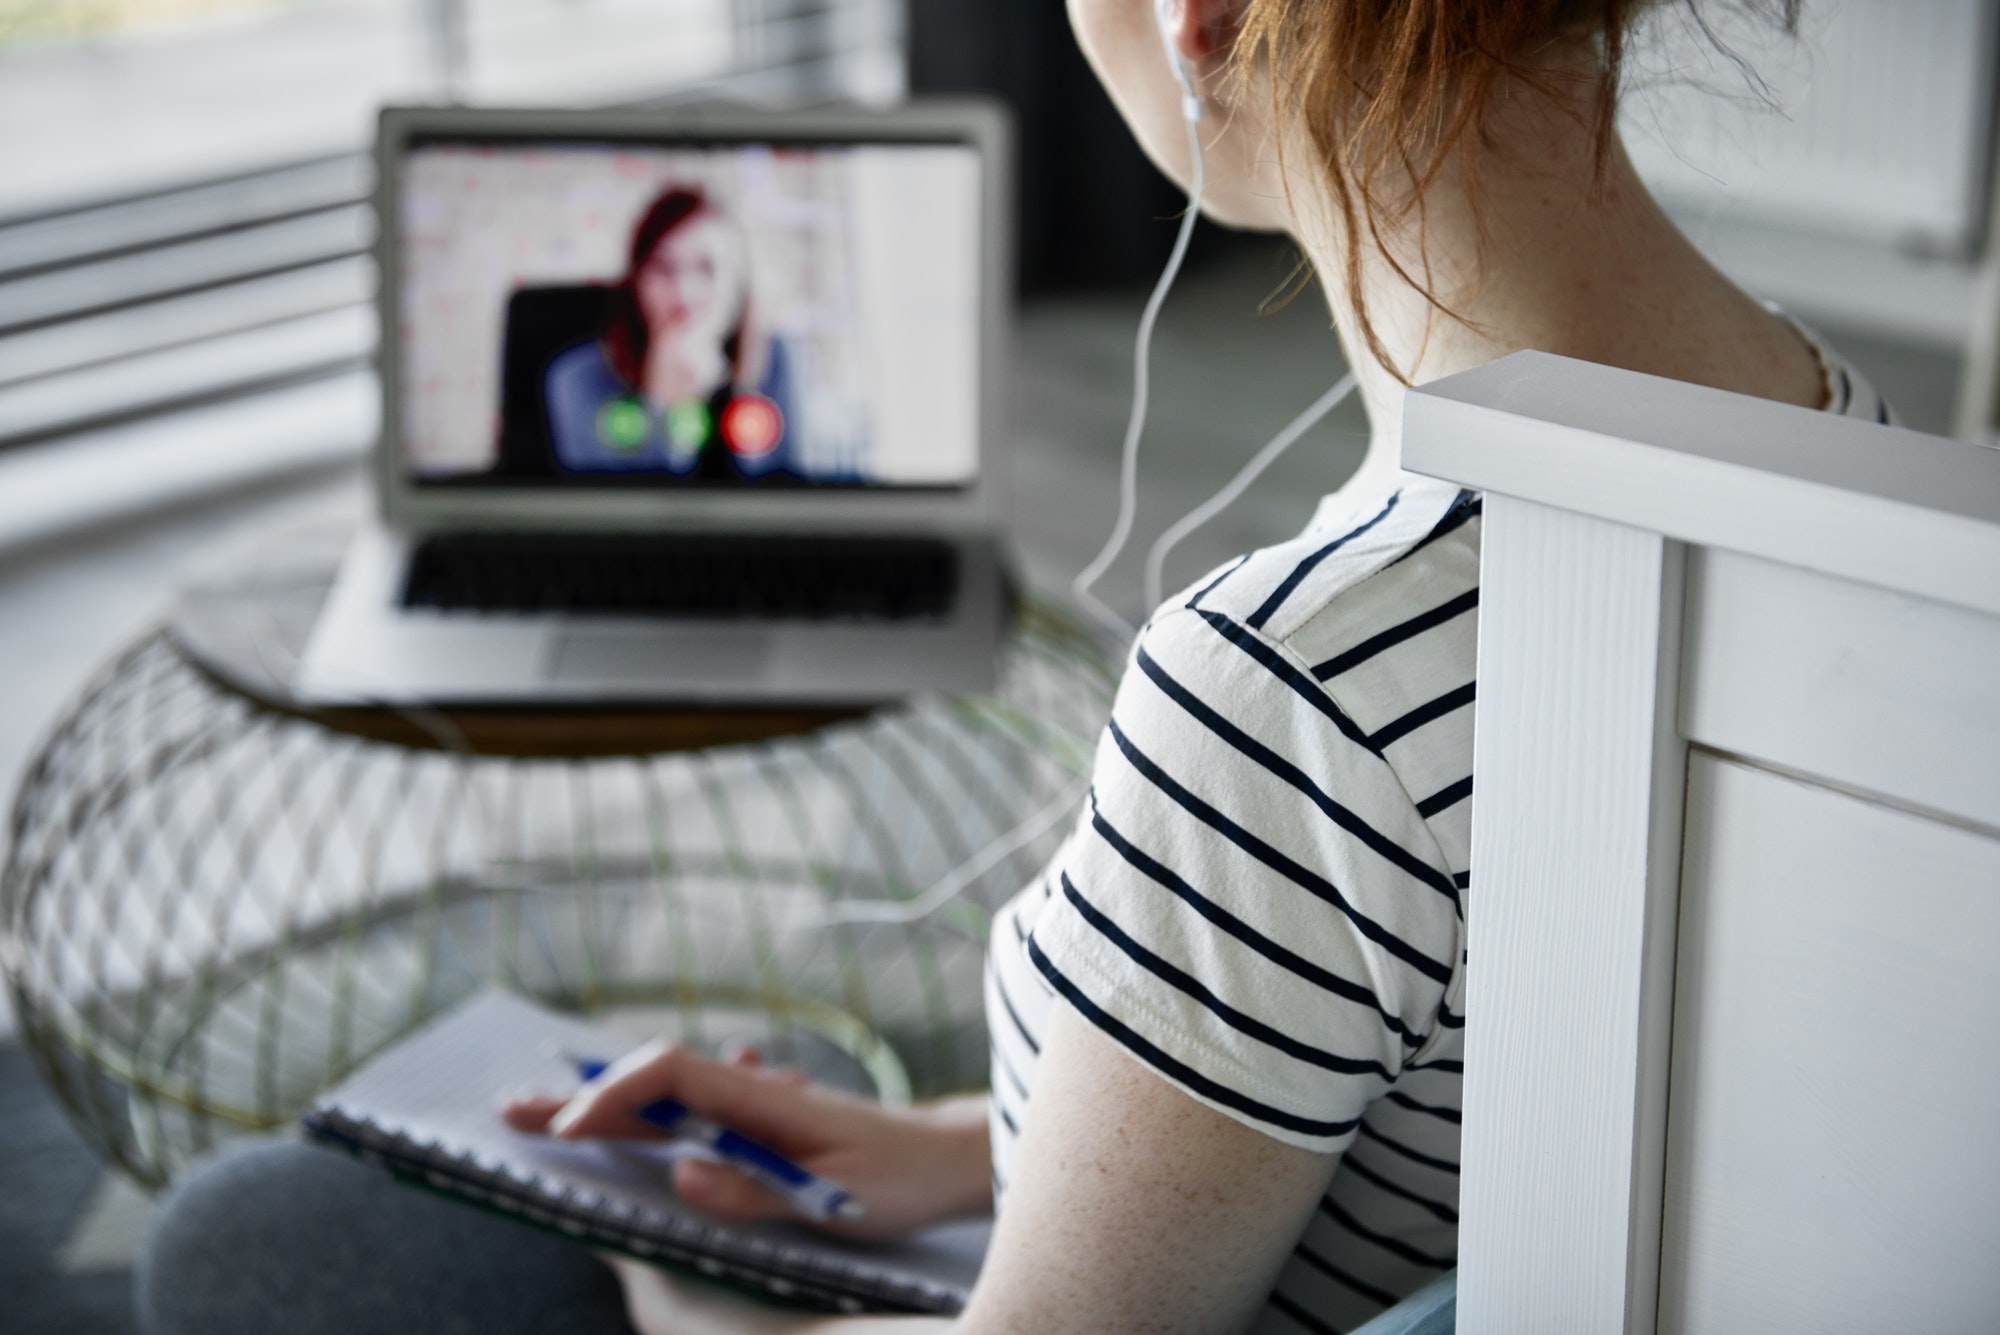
813,1195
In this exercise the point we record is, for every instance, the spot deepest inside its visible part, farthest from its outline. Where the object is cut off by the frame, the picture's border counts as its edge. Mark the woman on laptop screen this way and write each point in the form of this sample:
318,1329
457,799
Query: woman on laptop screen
1227,1020
678,381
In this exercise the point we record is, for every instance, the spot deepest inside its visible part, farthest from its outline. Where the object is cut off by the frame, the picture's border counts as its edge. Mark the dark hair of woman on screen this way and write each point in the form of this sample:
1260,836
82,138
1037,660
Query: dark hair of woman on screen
678,383
1227,1019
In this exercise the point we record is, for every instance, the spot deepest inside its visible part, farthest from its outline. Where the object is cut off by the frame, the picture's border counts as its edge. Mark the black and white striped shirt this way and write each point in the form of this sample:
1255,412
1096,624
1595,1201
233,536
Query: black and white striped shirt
1264,898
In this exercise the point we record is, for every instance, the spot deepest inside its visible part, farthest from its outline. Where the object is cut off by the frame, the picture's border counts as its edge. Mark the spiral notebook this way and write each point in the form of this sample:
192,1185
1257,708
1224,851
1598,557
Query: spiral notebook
427,1110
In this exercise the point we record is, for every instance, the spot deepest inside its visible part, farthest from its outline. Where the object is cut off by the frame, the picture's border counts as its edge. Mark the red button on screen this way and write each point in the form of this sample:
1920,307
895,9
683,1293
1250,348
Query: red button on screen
752,426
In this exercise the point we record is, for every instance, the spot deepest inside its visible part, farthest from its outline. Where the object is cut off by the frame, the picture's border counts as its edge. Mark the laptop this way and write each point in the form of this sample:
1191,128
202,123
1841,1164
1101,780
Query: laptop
698,405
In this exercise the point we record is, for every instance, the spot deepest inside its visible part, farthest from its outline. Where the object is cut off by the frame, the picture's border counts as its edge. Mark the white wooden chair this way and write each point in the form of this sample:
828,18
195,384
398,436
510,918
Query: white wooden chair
1732,1062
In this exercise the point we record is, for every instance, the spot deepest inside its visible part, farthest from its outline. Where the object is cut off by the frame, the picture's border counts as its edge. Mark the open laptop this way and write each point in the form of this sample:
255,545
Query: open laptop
694,405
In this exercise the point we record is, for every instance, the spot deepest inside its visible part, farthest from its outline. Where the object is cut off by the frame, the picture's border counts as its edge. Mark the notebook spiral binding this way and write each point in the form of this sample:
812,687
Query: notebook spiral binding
559,1207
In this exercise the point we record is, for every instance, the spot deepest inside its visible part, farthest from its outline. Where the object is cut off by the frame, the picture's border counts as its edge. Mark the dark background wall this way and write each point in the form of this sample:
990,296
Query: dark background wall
1093,211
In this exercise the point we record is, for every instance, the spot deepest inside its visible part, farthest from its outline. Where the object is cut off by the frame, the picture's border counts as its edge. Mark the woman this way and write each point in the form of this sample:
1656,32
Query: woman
677,382
1227,1019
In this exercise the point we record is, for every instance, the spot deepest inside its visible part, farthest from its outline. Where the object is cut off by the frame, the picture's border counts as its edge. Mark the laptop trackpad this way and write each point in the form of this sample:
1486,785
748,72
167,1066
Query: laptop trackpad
649,654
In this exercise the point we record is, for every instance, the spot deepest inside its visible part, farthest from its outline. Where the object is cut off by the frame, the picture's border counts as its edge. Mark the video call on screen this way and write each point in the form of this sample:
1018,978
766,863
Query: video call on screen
735,315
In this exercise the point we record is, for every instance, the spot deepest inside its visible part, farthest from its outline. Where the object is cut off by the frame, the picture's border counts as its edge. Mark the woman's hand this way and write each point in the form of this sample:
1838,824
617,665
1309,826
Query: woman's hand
907,1167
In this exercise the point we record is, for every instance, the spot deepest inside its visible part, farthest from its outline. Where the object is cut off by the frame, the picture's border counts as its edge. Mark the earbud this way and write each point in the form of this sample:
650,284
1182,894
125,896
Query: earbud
1163,16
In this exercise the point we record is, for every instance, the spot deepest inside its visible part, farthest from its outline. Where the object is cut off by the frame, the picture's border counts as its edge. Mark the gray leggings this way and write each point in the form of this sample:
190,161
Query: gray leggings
290,1238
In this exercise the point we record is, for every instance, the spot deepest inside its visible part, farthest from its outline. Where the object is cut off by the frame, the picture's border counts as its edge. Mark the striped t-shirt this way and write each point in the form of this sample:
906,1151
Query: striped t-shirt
1264,898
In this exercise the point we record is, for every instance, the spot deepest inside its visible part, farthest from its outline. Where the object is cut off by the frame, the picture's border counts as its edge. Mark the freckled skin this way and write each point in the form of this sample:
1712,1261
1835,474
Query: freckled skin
1191,1217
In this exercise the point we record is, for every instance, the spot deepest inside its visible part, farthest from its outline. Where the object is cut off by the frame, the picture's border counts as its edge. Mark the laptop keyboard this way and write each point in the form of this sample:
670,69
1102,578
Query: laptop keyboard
635,574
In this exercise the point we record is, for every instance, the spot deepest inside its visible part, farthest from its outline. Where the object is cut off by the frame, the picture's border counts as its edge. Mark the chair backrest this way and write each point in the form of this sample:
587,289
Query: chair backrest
1735,861
541,322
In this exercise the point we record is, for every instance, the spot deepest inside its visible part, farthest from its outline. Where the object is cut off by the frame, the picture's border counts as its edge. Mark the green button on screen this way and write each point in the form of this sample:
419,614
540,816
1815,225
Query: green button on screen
688,425
623,424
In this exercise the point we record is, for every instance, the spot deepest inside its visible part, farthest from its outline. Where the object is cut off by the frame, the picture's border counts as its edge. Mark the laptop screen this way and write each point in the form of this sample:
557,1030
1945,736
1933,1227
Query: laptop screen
721,315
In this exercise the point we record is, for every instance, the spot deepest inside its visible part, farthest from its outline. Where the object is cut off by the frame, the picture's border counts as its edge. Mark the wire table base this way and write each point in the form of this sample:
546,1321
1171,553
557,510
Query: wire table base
213,909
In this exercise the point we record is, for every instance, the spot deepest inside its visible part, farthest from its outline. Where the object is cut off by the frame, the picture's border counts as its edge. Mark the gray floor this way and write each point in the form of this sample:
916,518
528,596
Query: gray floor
1227,377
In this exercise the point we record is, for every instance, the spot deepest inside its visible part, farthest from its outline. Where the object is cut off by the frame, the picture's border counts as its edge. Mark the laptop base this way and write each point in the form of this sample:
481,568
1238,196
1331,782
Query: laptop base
368,649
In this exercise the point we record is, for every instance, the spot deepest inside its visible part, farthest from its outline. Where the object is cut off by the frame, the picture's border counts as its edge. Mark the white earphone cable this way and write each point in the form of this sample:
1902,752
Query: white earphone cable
1156,556
947,887
1135,426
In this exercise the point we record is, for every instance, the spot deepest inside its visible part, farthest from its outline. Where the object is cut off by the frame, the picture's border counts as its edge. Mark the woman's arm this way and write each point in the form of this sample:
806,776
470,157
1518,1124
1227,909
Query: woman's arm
1133,1208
